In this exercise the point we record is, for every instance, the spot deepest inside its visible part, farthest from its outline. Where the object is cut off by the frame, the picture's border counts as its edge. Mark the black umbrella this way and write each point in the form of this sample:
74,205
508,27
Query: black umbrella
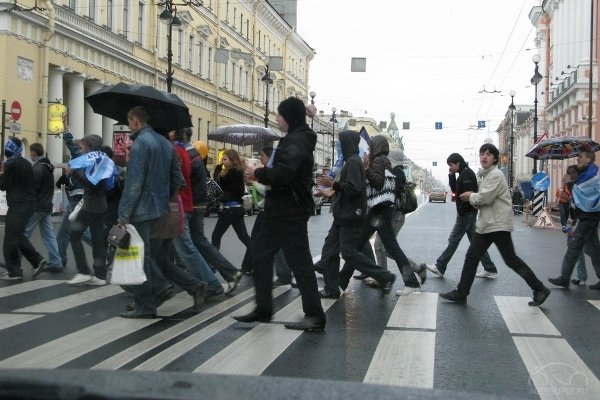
167,111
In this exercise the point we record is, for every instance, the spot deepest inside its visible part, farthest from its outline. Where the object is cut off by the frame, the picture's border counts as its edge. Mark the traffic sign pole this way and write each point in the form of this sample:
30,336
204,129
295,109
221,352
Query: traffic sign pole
3,129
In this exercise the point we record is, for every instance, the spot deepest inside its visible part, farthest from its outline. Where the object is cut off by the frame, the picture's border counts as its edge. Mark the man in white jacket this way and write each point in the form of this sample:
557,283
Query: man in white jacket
494,225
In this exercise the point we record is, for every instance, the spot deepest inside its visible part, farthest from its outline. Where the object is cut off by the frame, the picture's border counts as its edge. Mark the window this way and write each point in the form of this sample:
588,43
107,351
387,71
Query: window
234,16
125,25
247,29
180,47
247,90
210,62
191,53
72,4
92,9
140,27
109,13
200,60
199,128
259,36
158,25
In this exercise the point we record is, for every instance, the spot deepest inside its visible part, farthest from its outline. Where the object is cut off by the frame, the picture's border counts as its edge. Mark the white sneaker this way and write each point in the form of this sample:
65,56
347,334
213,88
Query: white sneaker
8,277
95,282
405,291
486,274
79,279
433,268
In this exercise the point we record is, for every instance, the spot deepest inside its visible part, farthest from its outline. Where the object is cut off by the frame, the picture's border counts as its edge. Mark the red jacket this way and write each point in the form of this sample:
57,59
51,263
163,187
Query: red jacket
186,171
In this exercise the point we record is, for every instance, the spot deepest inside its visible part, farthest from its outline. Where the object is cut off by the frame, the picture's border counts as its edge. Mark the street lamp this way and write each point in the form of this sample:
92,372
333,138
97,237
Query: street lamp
512,109
268,81
169,17
333,122
535,80
312,101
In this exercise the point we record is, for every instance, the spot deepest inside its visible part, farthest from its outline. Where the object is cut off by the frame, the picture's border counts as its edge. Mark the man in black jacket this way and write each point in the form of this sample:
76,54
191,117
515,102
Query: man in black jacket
16,178
287,207
465,219
42,210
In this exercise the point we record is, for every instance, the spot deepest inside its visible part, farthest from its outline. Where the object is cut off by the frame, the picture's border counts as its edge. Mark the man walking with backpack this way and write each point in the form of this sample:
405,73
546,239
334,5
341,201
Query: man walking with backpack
466,217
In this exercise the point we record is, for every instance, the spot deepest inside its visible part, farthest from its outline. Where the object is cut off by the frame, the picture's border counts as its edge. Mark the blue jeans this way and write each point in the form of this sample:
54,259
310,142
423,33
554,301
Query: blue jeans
63,236
585,238
191,258
464,224
44,221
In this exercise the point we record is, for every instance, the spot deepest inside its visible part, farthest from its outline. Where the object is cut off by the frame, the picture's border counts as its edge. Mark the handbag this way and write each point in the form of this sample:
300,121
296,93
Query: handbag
214,194
119,237
128,265
170,225
75,212
406,201
382,197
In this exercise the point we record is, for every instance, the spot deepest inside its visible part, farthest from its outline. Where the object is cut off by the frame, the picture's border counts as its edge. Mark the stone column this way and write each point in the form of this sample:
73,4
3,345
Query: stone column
75,102
93,121
107,131
54,143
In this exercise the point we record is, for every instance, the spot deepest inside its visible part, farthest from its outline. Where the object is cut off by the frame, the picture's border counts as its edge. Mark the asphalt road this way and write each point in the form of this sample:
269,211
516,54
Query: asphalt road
495,344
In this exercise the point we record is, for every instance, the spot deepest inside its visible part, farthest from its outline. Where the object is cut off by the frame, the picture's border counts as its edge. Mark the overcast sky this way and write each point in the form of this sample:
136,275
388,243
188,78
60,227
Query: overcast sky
427,61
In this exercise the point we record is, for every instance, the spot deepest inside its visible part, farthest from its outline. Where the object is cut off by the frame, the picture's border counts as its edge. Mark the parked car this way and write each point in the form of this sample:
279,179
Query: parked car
437,194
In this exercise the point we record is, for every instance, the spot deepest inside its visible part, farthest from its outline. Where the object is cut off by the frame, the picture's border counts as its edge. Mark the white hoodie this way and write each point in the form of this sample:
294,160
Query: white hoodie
493,201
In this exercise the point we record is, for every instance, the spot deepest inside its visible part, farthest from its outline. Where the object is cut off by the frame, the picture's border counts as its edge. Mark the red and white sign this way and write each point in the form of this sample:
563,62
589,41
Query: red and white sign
15,110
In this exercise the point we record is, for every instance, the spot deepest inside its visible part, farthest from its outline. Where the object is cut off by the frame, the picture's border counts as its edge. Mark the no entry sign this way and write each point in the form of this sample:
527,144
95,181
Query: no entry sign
15,110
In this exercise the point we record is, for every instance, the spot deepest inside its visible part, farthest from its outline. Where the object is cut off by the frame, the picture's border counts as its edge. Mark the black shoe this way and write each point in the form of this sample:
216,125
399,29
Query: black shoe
278,282
539,296
454,296
595,286
252,317
164,296
386,286
41,267
199,296
361,277
130,307
311,324
247,271
137,315
559,282
575,281
324,294
213,293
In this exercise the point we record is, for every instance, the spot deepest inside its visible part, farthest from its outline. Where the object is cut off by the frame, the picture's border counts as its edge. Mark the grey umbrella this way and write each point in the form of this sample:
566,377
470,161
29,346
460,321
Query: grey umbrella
243,135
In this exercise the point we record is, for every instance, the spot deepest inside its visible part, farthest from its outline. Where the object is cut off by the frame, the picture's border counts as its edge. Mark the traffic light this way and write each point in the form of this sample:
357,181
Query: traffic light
56,112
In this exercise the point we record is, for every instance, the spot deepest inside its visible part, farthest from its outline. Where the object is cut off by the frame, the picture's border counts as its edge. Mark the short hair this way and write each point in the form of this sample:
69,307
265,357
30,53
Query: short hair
180,134
268,150
456,158
589,154
108,151
188,133
37,148
492,149
572,168
140,113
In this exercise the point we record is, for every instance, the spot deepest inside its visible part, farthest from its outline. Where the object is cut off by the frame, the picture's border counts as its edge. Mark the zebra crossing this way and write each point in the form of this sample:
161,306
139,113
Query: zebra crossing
406,353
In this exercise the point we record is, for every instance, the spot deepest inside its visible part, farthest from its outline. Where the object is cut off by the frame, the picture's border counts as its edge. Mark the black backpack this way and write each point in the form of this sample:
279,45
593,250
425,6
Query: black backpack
406,199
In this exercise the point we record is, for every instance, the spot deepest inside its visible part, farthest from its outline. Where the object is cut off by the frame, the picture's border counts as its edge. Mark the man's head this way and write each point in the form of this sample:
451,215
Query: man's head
137,118
36,151
291,114
91,143
13,147
265,154
585,158
178,135
488,155
455,162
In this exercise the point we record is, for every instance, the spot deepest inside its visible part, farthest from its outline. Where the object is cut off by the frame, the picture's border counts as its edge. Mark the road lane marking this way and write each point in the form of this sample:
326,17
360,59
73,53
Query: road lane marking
405,357
8,320
27,287
555,369
72,300
595,303
131,353
520,318
252,353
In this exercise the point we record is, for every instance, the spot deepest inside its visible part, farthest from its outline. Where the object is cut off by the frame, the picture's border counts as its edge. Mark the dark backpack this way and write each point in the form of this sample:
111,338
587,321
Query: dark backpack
406,199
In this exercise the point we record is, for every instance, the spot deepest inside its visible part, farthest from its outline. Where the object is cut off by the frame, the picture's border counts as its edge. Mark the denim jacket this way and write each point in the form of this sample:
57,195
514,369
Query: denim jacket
153,176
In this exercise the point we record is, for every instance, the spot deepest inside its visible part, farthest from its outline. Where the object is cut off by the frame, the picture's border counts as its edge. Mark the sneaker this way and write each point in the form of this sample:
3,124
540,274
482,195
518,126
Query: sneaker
454,296
95,282
578,281
79,279
406,290
595,286
370,282
560,282
231,286
199,296
539,296
386,287
214,292
324,294
41,267
8,277
486,274
434,269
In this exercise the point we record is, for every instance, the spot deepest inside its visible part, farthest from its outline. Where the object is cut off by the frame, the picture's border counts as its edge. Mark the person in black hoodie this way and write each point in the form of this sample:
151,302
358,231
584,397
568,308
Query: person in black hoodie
288,205
465,219
16,178
349,215
42,210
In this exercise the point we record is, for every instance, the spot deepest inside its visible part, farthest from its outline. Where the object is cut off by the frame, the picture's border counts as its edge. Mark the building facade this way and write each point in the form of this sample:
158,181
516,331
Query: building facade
63,50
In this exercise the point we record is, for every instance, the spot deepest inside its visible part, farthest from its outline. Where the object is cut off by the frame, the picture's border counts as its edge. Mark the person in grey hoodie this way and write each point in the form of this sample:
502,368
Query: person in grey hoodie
494,225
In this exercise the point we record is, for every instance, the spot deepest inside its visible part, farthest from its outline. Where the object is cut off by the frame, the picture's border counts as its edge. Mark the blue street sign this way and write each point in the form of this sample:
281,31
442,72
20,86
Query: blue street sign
435,163
540,181
480,124
438,125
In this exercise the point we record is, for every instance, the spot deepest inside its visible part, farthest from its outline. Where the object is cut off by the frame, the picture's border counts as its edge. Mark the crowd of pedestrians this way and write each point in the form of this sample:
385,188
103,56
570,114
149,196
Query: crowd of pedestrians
168,168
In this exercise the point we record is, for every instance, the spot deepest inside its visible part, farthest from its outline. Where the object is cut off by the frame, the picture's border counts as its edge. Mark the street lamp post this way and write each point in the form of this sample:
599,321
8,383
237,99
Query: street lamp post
512,109
312,101
333,122
169,17
535,80
268,81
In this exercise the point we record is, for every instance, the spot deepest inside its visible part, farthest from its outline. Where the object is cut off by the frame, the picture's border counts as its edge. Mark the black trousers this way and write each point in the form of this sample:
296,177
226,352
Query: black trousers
289,233
503,240
15,242
233,216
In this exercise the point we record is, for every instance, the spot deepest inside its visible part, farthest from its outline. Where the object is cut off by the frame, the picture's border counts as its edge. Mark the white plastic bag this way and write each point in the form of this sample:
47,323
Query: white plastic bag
128,266
75,212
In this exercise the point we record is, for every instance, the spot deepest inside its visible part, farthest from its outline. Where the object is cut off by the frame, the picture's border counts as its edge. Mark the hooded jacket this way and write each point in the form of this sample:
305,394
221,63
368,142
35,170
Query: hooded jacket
44,185
17,181
466,182
350,205
379,149
290,176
